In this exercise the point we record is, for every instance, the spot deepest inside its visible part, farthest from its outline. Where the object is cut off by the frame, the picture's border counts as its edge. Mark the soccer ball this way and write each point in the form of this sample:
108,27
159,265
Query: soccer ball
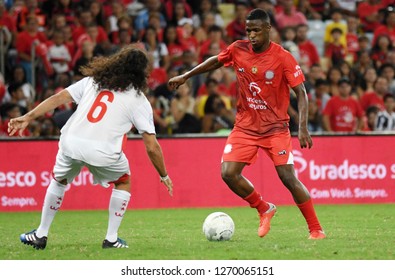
218,226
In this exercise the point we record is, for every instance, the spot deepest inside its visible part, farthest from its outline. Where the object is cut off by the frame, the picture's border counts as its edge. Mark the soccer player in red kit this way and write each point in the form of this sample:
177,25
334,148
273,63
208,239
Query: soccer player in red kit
265,71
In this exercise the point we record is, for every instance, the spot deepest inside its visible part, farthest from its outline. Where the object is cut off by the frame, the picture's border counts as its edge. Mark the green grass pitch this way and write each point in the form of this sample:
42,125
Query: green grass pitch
355,232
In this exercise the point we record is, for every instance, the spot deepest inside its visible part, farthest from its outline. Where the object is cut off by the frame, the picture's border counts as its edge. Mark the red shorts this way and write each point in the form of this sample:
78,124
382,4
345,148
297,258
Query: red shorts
241,147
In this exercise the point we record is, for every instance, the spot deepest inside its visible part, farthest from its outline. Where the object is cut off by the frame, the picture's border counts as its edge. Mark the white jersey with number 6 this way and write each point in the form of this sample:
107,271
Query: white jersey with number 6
94,133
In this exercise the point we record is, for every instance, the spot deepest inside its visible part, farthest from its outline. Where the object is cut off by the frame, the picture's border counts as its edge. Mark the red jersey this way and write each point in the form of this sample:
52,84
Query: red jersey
263,80
371,99
308,53
343,113
24,41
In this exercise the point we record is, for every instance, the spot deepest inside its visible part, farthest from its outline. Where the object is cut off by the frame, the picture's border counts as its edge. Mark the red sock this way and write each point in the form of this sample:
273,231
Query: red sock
255,200
308,212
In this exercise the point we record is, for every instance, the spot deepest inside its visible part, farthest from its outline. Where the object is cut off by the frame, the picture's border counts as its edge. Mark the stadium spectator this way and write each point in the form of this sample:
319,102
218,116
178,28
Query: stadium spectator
9,111
174,45
116,74
206,6
30,9
182,108
289,16
157,49
333,76
335,51
158,75
288,36
312,75
346,7
123,23
308,51
112,24
18,76
215,35
86,56
380,50
375,98
212,86
96,9
18,97
387,70
235,30
313,9
58,22
217,118
185,34
368,12
338,23
254,99
343,113
86,20
58,54
386,118
6,21
141,20
370,118
66,8
388,26
25,41
319,95
201,33
68,40
352,38
366,82
48,128
176,10
180,11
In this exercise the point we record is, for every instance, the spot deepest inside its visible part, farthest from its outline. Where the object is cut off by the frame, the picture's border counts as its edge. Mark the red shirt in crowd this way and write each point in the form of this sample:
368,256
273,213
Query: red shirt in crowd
7,21
343,113
263,82
371,99
24,41
101,34
384,30
308,53
366,9
352,45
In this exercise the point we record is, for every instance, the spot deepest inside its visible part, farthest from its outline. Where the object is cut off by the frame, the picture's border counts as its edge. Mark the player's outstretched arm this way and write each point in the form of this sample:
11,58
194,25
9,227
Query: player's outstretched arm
303,133
155,154
19,124
209,64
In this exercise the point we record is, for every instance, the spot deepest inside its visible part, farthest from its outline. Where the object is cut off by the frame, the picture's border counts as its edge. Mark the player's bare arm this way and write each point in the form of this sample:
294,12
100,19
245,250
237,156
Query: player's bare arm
19,124
210,64
303,133
155,154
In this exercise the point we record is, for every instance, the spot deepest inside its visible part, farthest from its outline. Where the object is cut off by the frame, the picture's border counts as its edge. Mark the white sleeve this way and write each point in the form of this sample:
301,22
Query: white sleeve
143,118
76,90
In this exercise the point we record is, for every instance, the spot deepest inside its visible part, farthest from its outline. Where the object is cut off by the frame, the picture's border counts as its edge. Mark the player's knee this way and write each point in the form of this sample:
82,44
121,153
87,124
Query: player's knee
227,175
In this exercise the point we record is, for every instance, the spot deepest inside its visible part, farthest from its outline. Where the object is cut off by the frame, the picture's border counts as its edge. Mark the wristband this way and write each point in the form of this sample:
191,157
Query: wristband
164,177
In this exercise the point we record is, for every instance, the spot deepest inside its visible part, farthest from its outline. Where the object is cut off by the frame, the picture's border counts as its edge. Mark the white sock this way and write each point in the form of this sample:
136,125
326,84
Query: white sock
118,203
52,202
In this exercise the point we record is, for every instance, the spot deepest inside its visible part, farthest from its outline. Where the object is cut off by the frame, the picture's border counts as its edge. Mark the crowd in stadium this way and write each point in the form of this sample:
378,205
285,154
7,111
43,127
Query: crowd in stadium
346,50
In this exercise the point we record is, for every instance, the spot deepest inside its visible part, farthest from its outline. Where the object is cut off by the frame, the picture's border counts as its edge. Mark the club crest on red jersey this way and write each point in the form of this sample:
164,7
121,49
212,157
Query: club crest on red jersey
269,75
254,70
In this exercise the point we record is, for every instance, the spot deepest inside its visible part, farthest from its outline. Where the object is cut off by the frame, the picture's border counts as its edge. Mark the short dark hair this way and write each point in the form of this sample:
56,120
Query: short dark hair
387,96
336,29
258,14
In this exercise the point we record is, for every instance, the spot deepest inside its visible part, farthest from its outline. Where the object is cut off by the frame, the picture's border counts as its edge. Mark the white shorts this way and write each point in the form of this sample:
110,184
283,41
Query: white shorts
68,168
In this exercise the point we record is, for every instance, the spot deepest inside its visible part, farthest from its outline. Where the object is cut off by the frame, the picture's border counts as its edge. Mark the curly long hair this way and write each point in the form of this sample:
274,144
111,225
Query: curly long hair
120,71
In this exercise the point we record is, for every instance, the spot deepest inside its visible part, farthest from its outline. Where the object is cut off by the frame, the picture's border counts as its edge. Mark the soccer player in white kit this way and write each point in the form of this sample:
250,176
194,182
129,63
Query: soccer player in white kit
110,102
